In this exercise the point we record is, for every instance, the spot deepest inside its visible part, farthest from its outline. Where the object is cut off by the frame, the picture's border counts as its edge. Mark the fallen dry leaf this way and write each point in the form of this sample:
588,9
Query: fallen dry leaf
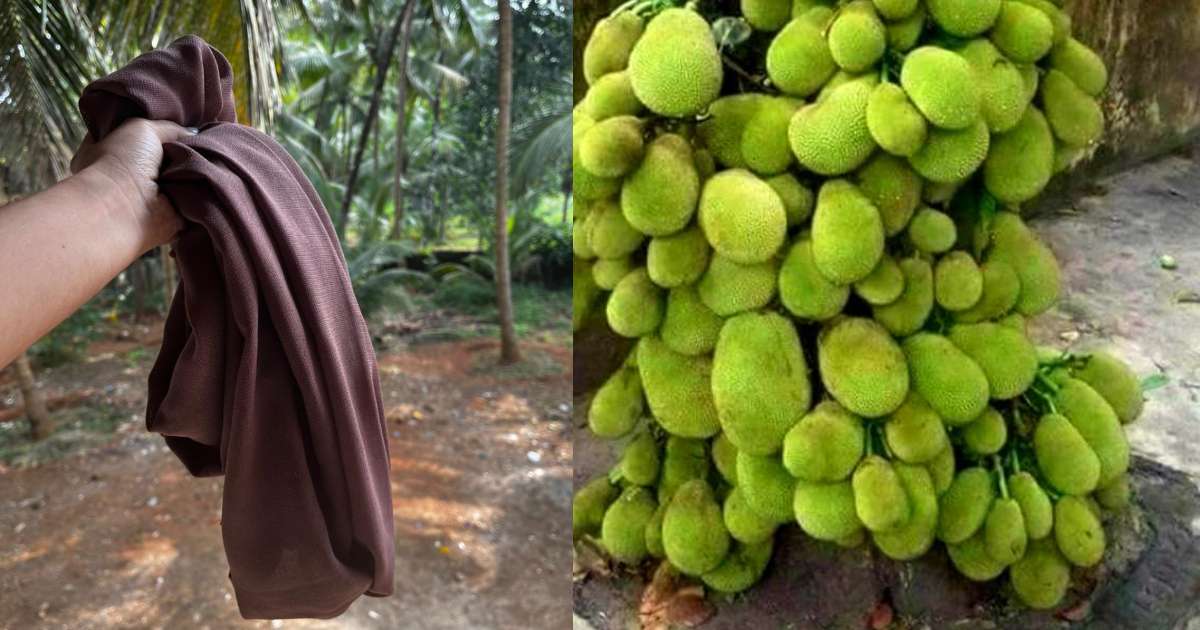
668,601
881,616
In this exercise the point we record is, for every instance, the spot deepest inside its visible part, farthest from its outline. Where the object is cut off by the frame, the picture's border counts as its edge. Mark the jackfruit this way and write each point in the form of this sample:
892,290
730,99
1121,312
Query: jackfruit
914,432
803,7
679,259
1113,379
1077,532
623,533
856,37
1013,243
611,235
689,327
952,156
1096,421
907,314
586,185
608,48
964,507
694,535
957,281
1001,288
913,538
939,193
639,461
617,405
1064,457
903,35
609,271
831,137
744,524
659,197
764,140
1074,116
943,86
636,305
722,131
841,77
742,217
895,9
931,231
583,293
1080,64
677,389
804,291
879,497
894,122
611,95
798,60
893,187
1014,321
1005,96
862,367
826,511
847,233
1115,494
1058,18
684,459
612,147
581,239
653,534
883,286
942,470
724,456
589,505
798,200
675,67
1004,531
854,540
953,385
766,486
1036,509
706,165
987,434
767,15
1021,161
826,445
729,288
1006,356
741,569
964,18
971,558
1041,577
1023,33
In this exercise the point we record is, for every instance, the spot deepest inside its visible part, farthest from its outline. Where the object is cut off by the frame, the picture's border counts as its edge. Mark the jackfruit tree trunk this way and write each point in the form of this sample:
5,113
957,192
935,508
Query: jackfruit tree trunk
401,122
508,336
40,424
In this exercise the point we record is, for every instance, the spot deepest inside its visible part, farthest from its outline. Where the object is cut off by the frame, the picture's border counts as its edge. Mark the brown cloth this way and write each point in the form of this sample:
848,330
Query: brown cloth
266,372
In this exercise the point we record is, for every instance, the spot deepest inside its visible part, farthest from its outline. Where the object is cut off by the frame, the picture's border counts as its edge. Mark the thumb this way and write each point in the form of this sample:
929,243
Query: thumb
168,131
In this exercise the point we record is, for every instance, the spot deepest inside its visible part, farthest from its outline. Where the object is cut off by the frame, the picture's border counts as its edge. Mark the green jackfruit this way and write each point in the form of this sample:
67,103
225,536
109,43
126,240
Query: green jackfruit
1064,457
612,147
1001,288
611,236
841,77
1014,243
957,281
1075,116
1078,532
798,60
689,327
907,314
912,539
879,497
659,197
1006,356
636,305
914,432
943,86
939,193
894,122
608,272
1096,421
971,558
653,533
805,8
884,285
798,200
856,37
1040,579
1036,510
683,460
862,367
611,95
585,184
1114,495
826,511
952,156
1004,533
964,507
767,15
743,523
722,131
987,434
893,187
675,67
742,217
831,137
826,445
741,569
804,290
903,35
896,9
706,164
724,456
764,140
1023,33
964,18
589,505
581,240
623,532
942,470
639,461
766,485
1113,379
679,259
694,534
1021,161
1005,96
729,288
1080,64
677,389
1058,17
617,405
583,293
931,231
608,48
847,233
946,378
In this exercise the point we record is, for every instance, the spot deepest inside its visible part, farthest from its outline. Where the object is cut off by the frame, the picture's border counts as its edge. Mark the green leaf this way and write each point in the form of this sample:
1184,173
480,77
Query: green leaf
730,31
1155,381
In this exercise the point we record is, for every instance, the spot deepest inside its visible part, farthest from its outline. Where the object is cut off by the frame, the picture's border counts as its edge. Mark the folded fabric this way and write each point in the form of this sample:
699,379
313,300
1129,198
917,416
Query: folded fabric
266,372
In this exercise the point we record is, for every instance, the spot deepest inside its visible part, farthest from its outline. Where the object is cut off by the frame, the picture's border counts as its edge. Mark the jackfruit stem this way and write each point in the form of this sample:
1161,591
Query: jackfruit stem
1043,379
1000,476
741,72
1016,461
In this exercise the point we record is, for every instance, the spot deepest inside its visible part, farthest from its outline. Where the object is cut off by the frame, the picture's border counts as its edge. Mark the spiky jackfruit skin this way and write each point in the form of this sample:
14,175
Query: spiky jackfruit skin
659,197
942,85
1074,116
612,147
767,15
1036,510
841,77
908,313
894,122
1022,32
798,60
1081,64
957,281
1005,96
684,459
583,293
971,558
1096,421
987,434
1014,243
610,235
895,9
1077,532
741,569
831,137
675,67
678,389
825,446
1004,533
1007,357
1040,579
679,259
804,290
694,534
847,233
689,327
884,284
1115,494
1064,457
589,505
862,367
608,272
722,131
724,456
798,200
964,507
640,460
611,95
826,511
1058,18
946,378
952,156
706,164
964,18
636,306
879,497
903,35
729,288
623,533
617,405
942,470
742,217
743,523
1113,379
608,48
766,485
1021,161
654,546
581,239
1001,288
913,538
764,140
586,185
932,231
914,432
856,37
893,187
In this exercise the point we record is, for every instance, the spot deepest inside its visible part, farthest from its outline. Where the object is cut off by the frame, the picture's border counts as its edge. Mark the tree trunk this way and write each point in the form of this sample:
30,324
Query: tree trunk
566,191
401,122
40,424
508,336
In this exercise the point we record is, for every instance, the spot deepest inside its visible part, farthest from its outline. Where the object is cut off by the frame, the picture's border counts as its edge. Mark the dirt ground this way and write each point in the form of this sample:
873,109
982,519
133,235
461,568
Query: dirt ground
118,535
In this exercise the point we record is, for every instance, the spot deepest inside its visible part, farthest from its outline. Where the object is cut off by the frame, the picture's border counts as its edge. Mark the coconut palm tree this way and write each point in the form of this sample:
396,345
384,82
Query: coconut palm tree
509,353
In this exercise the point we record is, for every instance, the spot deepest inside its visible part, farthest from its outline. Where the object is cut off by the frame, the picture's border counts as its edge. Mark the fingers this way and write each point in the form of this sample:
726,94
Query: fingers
168,131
